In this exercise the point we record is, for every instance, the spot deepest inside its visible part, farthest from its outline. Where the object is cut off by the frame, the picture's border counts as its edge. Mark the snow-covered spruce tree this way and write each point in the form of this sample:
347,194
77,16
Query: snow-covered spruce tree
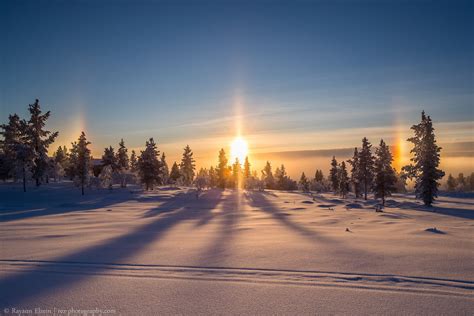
149,166
187,166
283,182
106,177
109,158
267,176
39,139
175,174
461,182
12,135
451,183
61,161
318,183
385,177
318,176
334,175
366,167
247,171
425,161
72,162
202,179
82,161
343,180
304,183
213,179
133,162
236,174
354,162
123,163
222,170
16,146
165,172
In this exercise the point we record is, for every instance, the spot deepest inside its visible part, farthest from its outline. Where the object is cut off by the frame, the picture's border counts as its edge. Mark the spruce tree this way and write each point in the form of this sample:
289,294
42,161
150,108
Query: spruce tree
318,176
366,167
39,139
343,180
187,166
236,173
17,150
82,161
109,158
267,176
149,166
60,156
354,180
122,163
133,162
165,173
385,176
222,169
175,174
334,175
281,178
461,182
425,161
304,183
72,161
247,172
213,177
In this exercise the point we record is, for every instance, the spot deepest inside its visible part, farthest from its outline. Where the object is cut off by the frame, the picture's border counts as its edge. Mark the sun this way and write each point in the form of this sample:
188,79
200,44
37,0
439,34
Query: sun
239,149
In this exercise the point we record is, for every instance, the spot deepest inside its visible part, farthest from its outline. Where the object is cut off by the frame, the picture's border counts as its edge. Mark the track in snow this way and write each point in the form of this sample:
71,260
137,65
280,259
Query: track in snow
384,282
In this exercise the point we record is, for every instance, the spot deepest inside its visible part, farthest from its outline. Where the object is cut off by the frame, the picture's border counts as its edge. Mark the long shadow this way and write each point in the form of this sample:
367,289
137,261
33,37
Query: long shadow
450,211
228,221
435,209
260,201
19,287
47,201
331,245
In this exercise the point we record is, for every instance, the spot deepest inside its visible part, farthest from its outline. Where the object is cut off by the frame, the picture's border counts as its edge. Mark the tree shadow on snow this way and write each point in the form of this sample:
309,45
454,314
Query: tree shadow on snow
228,219
17,288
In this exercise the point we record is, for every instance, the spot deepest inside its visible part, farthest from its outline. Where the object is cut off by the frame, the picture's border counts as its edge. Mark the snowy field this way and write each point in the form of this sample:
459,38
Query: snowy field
231,252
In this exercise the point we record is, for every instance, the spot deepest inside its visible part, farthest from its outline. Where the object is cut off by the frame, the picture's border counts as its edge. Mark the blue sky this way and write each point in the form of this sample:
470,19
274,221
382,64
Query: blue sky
295,75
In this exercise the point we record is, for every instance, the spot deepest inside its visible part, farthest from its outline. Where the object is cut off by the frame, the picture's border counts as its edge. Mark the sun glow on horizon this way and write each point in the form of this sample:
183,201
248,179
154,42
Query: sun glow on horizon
238,149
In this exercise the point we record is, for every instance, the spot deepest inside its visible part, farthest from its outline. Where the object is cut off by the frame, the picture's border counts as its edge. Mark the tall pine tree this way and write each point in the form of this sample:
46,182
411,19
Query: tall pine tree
366,167
247,172
17,149
237,174
354,162
122,163
187,166
343,180
385,177
149,166
82,161
304,183
165,172
40,139
334,175
109,158
425,161
175,174
222,169
267,176
133,162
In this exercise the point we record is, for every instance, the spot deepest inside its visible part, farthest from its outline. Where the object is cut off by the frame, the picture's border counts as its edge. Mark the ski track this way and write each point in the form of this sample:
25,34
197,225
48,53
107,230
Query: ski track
382,282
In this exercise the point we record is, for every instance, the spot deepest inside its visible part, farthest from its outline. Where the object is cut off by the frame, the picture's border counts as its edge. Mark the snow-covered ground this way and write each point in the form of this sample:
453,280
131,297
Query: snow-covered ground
229,251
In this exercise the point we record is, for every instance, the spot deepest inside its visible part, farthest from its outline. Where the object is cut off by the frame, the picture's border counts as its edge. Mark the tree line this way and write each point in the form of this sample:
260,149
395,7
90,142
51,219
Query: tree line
25,143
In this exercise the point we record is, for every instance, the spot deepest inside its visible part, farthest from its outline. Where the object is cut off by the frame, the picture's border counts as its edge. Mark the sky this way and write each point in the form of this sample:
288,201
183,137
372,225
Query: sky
286,76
